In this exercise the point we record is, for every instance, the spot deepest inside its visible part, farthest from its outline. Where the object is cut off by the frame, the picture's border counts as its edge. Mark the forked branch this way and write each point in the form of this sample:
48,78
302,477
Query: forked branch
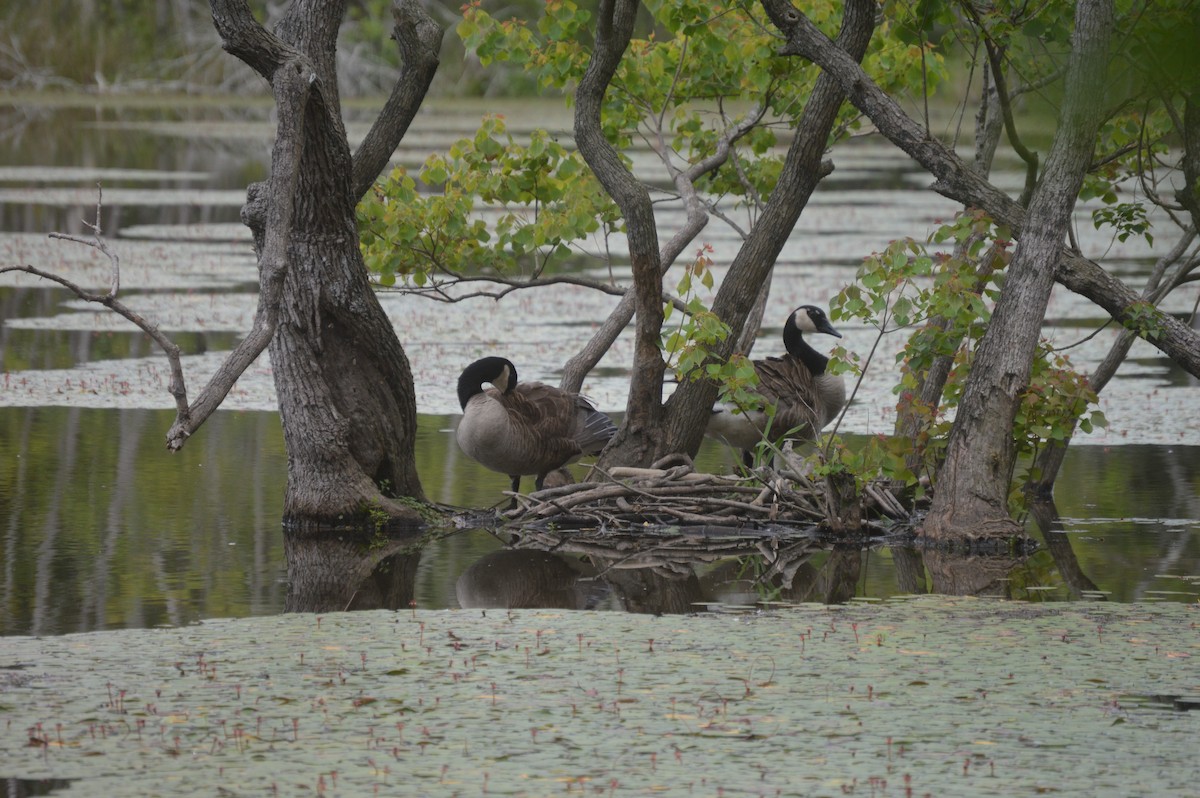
110,301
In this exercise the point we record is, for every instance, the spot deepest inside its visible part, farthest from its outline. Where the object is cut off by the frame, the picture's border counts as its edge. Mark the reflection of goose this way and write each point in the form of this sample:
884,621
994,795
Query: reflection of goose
515,578
524,428
805,397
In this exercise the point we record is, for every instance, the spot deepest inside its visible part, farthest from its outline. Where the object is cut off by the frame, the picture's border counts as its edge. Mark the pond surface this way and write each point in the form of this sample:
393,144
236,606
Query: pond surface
101,528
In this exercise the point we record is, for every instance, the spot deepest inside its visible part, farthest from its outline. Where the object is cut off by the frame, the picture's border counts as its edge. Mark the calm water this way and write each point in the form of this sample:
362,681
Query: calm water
101,528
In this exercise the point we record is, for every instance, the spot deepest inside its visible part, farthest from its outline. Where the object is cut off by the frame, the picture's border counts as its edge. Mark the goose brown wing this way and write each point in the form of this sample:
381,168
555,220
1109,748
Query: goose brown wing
788,383
593,429
544,408
563,422
544,419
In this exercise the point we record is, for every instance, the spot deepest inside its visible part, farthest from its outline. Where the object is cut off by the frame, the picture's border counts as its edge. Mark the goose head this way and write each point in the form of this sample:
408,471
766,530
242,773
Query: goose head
498,371
810,319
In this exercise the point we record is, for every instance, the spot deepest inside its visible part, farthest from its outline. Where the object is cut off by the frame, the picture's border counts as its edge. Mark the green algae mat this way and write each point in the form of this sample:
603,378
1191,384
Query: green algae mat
912,697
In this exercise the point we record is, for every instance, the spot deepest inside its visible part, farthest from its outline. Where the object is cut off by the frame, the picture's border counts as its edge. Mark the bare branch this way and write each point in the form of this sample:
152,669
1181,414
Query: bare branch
419,38
109,300
293,85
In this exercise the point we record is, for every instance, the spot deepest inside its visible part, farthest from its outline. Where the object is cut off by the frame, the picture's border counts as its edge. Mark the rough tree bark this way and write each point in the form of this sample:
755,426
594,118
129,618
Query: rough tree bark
958,181
639,436
971,499
802,171
344,384
652,430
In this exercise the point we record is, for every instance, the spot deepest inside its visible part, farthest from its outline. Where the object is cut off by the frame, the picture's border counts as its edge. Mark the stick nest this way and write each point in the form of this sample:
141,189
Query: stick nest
671,500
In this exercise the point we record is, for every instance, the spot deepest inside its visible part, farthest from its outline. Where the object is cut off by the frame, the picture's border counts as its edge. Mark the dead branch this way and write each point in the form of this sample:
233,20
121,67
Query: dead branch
294,84
109,300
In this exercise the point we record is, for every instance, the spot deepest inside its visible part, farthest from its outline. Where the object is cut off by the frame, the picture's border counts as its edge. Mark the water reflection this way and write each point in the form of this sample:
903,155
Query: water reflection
520,578
102,528
589,572
338,572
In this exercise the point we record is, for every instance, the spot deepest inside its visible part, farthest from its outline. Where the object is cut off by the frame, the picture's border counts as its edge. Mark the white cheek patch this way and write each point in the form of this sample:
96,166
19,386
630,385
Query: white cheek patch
804,322
503,379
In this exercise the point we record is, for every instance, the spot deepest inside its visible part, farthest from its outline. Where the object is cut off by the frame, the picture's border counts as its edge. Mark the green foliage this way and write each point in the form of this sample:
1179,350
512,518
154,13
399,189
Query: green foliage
948,300
1055,403
542,199
702,70
1127,218
1142,318
877,455
688,344
682,82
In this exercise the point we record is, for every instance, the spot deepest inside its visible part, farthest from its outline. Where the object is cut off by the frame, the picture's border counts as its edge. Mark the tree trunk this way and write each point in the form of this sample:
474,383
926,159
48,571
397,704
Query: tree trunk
959,182
802,170
911,420
637,440
344,384
971,495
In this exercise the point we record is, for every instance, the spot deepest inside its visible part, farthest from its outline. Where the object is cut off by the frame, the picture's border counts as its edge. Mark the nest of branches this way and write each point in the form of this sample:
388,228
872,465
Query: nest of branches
672,501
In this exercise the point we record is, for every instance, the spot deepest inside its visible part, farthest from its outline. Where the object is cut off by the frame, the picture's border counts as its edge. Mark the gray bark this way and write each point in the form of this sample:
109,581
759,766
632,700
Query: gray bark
344,384
637,439
971,496
959,182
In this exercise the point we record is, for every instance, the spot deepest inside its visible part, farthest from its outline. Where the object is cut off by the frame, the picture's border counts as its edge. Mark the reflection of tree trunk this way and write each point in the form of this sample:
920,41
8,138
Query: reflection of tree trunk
94,606
961,575
1046,515
45,581
834,583
332,574
910,569
13,532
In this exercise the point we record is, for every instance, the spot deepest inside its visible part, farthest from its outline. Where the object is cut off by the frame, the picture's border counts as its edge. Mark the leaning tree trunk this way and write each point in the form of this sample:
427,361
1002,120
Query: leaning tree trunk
635,441
345,389
959,182
971,495
751,267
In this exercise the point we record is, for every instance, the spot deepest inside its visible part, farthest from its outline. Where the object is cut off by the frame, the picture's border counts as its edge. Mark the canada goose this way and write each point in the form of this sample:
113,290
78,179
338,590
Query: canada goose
805,397
524,428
